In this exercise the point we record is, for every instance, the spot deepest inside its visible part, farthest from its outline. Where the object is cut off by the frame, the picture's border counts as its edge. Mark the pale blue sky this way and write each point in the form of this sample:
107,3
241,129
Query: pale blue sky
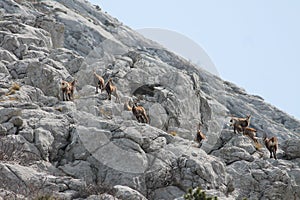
253,43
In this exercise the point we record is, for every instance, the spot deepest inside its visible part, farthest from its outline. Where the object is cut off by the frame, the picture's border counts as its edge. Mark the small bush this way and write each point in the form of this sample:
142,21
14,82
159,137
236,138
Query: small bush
10,151
197,194
95,189
13,152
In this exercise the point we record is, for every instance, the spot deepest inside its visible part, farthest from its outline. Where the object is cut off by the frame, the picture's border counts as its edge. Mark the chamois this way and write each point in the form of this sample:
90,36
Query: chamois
111,90
272,145
139,112
251,133
67,89
199,136
239,124
99,81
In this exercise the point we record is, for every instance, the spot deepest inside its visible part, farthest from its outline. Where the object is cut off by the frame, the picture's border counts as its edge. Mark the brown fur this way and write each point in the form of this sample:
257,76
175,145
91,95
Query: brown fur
111,90
251,133
99,81
67,89
139,112
272,145
239,124
199,136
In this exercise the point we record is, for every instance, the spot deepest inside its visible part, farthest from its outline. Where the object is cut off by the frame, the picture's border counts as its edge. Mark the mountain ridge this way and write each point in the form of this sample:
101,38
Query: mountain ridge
93,148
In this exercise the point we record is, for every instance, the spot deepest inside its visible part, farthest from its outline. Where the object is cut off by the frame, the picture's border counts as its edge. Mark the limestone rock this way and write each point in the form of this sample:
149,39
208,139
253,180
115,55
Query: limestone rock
43,140
90,145
291,148
126,193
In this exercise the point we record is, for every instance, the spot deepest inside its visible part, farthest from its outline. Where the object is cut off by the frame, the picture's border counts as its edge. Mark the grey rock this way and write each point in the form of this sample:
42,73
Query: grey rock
56,30
3,130
257,176
7,56
18,69
158,116
16,121
169,192
10,43
8,113
28,134
72,149
20,177
243,142
3,69
80,169
291,148
70,59
126,193
11,130
101,197
46,78
43,140
232,154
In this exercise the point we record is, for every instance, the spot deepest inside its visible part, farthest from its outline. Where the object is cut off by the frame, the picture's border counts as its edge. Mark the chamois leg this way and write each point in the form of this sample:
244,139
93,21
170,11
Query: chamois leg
70,96
96,92
139,118
109,96
146,119
274,153
98,86
271,153
65,96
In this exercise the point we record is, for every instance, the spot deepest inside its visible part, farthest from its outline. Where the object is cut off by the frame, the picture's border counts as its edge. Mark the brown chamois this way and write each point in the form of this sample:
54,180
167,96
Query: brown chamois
251,133
139,112
99,81
272,145
239,124
199,136
67,89
111,90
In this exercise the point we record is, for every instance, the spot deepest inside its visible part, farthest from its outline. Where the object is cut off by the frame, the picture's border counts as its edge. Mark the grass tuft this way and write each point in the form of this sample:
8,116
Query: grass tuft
12,90
173,133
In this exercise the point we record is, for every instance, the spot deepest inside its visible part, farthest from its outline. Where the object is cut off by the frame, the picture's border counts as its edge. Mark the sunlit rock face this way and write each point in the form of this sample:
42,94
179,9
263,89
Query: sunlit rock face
94,148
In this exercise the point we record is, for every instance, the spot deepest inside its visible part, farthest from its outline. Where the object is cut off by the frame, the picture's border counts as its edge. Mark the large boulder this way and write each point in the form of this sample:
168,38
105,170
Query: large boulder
291,148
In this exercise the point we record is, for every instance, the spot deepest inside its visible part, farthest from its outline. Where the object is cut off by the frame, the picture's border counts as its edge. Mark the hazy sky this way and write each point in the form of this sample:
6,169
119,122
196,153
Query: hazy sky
254,44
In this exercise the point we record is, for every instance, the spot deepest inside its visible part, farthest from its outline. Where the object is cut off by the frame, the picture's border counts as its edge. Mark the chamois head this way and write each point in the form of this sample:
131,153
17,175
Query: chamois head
67,89
239,124
64,84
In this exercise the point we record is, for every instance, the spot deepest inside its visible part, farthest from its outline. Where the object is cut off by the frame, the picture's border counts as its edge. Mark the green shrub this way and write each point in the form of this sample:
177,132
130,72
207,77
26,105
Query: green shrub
197,195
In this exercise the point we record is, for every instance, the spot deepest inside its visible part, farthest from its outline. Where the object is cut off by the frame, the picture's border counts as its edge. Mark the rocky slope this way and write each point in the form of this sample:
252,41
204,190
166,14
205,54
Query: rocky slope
93,148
